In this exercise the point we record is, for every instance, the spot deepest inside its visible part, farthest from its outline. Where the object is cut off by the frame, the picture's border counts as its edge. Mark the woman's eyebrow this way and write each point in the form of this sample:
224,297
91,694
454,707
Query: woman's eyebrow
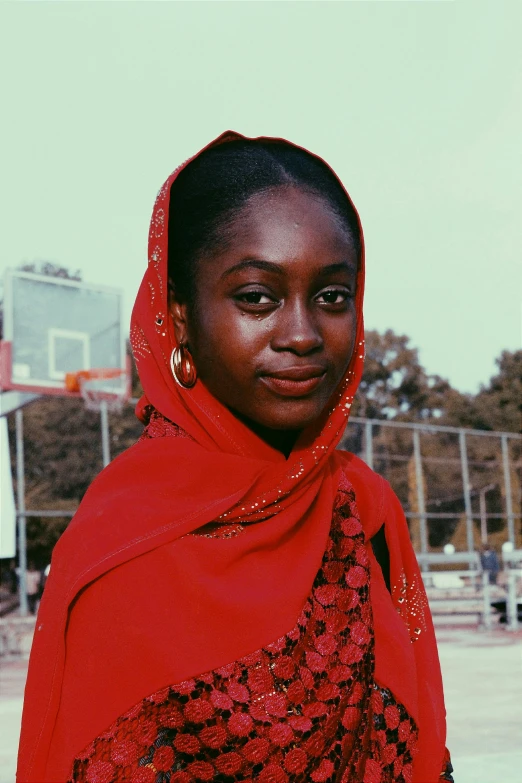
253,263
341,266
270,266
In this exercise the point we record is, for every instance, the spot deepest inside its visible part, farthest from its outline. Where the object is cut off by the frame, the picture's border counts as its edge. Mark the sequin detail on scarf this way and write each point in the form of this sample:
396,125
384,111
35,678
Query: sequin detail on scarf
160,427
304,708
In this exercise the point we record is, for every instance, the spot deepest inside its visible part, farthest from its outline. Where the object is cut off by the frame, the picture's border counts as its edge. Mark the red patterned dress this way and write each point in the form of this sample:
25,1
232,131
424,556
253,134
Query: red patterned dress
304,708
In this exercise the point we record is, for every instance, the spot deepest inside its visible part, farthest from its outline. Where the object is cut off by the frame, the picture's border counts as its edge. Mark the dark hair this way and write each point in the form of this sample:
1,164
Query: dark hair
210,191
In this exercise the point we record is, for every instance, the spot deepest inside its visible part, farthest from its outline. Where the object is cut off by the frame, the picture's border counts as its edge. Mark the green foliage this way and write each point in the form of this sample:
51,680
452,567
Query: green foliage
51,269
394,383
396,386
62,443
499,405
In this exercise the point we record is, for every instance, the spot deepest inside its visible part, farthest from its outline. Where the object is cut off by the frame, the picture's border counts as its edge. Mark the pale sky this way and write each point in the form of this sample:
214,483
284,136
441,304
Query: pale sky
417,105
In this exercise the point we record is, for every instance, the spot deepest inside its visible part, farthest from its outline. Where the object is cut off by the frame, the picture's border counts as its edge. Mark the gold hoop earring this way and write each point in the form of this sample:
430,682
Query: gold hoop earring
183,368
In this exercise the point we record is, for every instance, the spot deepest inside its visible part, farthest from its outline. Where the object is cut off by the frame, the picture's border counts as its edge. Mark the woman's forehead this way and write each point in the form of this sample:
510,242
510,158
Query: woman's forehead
288,222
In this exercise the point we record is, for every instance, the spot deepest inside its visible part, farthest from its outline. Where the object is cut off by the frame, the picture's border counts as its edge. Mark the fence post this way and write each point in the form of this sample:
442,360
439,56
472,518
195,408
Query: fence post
486,595
104,416
483,517
511,601
466,489
507,487
20,500
368,443
419,480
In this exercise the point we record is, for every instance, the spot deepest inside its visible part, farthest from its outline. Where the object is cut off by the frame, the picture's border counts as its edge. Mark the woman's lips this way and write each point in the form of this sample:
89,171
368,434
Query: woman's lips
292,387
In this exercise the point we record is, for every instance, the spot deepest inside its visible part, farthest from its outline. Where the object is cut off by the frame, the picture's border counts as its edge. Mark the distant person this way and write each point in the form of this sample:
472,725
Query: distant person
12,578
490,563
218,609
32,587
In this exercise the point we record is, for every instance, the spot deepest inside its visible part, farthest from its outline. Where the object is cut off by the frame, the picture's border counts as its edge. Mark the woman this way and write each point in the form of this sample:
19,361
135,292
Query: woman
215,611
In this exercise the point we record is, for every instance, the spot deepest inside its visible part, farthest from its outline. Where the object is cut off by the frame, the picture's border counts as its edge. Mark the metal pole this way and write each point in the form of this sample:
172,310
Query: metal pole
368,444
20,496
483,520
487,600
483,512
507,487
466,487
419,480
104,416
511,601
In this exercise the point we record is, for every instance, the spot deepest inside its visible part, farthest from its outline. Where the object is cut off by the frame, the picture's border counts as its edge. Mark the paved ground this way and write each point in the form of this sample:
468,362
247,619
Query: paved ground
483,686
483,682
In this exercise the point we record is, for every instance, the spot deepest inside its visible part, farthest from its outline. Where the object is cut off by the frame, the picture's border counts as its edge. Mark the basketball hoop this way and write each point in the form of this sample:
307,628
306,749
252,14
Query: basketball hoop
105,387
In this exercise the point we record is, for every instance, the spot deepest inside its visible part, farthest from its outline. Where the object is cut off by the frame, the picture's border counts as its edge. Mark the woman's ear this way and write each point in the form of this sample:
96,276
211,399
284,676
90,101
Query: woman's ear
178,313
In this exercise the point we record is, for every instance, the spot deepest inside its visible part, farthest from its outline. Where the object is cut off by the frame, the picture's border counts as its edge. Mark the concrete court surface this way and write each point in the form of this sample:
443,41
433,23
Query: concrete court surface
483,683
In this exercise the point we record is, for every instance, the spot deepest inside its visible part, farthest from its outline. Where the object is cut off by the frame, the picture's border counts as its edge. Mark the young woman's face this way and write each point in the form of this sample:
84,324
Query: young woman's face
273,327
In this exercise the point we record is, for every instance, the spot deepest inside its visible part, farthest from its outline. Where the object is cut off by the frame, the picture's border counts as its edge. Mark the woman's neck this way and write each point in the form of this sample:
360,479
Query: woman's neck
281,440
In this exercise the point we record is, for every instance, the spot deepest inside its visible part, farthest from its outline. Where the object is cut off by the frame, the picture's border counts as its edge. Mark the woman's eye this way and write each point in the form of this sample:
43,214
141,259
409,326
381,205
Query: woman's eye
255,298
333,296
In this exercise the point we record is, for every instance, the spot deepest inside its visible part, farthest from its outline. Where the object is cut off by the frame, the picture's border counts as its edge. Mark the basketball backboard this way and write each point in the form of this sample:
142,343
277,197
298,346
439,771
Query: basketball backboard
53,327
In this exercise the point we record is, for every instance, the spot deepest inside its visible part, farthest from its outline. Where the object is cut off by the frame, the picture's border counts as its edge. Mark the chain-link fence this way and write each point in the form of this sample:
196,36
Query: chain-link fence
456,485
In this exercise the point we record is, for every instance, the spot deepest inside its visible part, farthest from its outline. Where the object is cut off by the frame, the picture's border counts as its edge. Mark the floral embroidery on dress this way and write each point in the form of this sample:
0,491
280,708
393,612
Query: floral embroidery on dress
304,708
160,427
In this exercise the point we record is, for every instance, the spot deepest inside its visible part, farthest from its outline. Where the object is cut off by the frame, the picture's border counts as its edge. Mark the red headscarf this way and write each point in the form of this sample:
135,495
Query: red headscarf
133,603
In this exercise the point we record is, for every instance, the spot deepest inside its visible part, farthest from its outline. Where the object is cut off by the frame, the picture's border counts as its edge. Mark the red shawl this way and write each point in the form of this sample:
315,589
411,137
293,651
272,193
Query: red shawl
133,603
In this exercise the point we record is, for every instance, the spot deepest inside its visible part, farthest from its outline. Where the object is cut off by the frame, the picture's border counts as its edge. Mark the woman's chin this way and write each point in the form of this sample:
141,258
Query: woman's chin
293,417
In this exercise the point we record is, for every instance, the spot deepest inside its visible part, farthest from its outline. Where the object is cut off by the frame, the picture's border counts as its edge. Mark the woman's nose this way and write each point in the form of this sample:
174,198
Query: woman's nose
296,330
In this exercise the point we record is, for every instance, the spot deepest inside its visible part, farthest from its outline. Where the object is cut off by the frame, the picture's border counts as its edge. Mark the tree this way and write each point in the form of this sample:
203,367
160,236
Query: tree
394,383
499,405
50,269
